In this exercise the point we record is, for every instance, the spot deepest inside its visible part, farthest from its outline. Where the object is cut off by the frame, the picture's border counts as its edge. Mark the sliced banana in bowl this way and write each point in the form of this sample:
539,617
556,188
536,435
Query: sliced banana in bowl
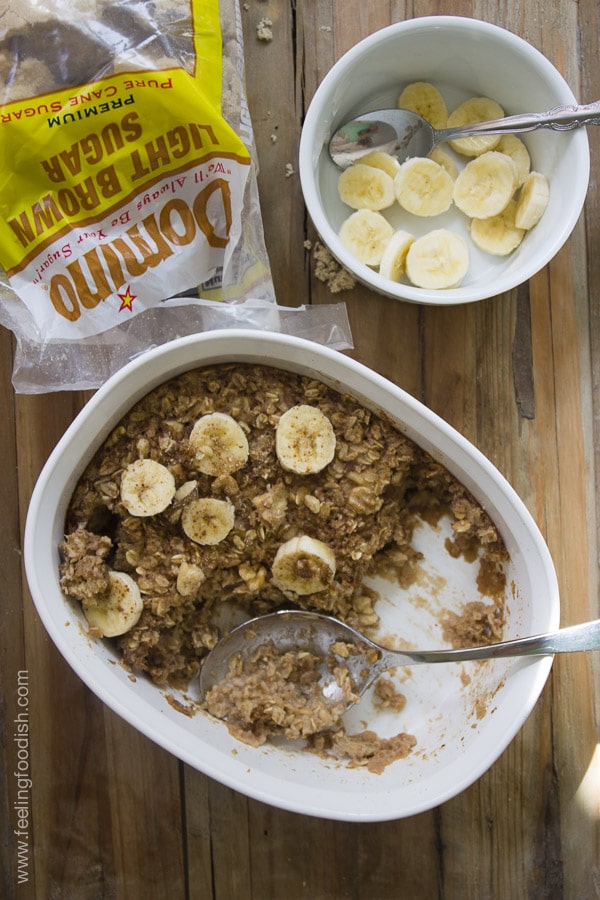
438,260
480,182
433,67
423,187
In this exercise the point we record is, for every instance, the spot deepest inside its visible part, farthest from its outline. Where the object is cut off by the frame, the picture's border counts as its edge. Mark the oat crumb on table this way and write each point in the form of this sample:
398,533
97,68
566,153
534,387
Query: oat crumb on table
330,272
264,29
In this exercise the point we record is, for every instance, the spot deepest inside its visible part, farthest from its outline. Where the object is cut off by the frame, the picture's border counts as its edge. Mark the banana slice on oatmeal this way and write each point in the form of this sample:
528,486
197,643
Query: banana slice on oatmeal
304,565
208,520
147,487
304,440
120,611
219,443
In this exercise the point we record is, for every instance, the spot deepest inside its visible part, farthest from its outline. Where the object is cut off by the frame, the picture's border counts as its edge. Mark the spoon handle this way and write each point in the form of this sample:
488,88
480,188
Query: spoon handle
561,118
577,637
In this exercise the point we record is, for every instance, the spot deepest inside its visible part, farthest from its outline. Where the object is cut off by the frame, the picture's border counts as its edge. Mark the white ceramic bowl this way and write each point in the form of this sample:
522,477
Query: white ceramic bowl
456,744
464,58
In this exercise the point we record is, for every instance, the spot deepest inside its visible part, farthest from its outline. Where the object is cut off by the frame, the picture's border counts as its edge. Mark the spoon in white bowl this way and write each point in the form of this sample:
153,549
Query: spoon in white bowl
405,134
317,633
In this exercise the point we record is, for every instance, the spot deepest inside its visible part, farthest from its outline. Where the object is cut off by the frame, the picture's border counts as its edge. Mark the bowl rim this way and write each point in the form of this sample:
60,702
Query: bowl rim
162,363
307,167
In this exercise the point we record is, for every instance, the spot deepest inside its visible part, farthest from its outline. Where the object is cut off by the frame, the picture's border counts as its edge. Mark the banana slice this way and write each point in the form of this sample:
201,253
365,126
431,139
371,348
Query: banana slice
120,611
532,200
366,187
304,440
423,187
438,260
425,99
393,261
147,487
365,234
207,520
381,160
514,147
304,565
189,579
498,235
486,185
219,444
476,109
444,160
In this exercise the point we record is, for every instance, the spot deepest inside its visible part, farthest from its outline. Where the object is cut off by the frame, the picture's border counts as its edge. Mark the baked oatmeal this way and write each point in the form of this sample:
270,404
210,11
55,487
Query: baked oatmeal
248,484
273,692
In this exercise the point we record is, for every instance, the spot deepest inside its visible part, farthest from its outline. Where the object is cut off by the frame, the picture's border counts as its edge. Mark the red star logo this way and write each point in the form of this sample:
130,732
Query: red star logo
126,300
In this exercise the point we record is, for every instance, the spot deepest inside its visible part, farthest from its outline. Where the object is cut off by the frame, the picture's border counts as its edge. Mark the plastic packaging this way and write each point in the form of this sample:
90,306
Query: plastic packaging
127,179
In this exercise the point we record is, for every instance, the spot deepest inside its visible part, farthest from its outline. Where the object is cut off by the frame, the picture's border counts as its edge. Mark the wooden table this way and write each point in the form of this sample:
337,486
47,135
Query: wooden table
113,815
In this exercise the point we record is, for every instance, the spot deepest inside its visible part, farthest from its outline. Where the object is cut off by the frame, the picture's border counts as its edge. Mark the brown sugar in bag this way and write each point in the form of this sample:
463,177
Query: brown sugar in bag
128,180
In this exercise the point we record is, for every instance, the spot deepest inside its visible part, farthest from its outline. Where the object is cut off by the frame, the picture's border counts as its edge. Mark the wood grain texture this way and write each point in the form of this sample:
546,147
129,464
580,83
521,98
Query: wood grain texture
114,816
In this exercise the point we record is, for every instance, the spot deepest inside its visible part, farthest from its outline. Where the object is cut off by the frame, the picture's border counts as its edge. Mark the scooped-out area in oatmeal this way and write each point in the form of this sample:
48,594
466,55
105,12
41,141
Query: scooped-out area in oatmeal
247,484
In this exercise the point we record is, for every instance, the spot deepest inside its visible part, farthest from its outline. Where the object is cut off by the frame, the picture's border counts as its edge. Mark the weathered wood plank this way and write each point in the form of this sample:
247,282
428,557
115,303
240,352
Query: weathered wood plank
112,815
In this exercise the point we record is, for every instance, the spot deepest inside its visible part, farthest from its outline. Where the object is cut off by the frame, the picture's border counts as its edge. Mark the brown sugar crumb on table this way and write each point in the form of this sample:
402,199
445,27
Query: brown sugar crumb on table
264,29
330,272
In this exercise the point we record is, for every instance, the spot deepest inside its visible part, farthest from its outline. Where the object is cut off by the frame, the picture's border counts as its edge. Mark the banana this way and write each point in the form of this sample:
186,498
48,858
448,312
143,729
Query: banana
499,234
444,160
304,440
207,520
532,200
381,160
425,99
147,487
423,187
189,579
393,261
514,147
365,234
219,444
486,185
366,187
304,565
438,260
120,611
476,109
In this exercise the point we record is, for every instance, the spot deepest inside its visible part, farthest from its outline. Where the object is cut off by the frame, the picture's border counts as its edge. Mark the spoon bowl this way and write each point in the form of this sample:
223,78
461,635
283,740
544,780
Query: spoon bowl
405,134
318,634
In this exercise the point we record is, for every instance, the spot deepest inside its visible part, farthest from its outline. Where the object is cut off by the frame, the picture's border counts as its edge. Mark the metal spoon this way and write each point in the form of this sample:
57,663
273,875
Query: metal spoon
404,133
316,632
